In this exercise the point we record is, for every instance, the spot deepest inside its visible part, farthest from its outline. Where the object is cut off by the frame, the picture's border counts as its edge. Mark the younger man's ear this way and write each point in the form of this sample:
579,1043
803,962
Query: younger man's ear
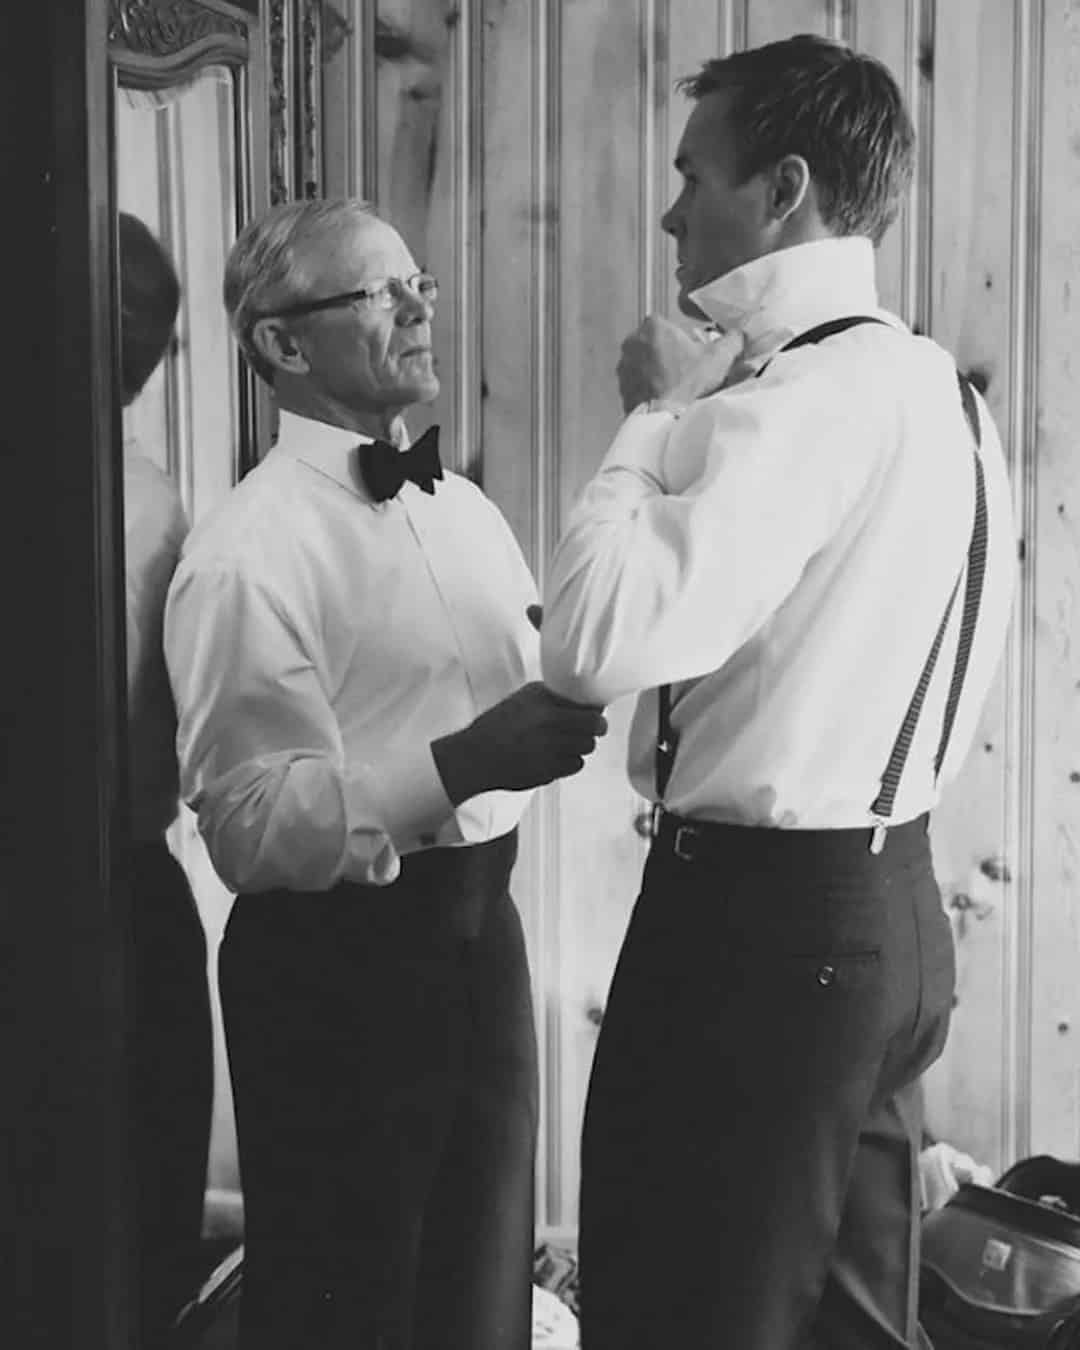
790,184
275,344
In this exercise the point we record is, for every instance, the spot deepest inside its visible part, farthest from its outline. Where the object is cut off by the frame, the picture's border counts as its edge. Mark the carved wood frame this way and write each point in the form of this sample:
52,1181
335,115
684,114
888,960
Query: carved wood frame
153,44
295,31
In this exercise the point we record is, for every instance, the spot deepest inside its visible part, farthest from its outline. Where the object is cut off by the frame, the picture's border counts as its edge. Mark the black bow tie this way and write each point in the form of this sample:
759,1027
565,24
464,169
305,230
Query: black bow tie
385,468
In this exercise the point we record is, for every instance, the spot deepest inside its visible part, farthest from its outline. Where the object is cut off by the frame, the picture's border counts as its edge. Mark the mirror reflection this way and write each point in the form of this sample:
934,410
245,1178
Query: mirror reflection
177,191
176,172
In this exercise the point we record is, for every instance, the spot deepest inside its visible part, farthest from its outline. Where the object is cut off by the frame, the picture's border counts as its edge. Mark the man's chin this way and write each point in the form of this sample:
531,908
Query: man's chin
422,391
688,307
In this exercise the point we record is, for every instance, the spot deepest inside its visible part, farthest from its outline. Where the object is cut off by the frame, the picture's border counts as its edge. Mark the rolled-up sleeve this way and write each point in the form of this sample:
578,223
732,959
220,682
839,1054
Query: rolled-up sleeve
694,531
261,755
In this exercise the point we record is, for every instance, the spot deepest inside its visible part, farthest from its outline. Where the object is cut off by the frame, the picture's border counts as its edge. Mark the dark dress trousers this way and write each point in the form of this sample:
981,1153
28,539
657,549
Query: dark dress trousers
753,1122
383,1060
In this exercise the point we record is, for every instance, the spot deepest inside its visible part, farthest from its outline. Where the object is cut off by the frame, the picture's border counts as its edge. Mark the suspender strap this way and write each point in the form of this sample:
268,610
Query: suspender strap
820,333
975,577
975,564
666,740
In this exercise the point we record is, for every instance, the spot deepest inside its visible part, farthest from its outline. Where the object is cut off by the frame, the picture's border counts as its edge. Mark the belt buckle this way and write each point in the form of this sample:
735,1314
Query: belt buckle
683,835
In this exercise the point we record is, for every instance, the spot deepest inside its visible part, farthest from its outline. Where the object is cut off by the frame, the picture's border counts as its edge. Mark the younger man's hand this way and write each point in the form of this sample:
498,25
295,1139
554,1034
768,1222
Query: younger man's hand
653,360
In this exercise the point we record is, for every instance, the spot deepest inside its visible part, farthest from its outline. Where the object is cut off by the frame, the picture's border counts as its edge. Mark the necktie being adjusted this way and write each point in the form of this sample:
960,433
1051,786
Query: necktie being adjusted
385,469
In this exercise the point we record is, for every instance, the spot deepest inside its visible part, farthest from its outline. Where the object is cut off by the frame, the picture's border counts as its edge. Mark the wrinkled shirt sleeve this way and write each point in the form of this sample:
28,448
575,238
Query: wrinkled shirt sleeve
261,753
693,532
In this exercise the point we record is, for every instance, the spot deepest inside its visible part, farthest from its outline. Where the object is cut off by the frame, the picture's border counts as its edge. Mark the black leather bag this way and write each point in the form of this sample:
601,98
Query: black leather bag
1001,1265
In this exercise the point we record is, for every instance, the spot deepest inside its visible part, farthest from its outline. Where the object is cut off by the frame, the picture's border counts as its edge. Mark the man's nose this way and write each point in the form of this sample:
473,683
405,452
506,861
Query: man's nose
669,222
413,308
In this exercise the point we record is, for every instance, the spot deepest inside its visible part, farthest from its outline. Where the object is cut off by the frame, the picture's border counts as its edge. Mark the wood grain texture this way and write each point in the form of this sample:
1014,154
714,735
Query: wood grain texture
891,32
518,417
970,67
771,20
416,172
694,31
602,290
1055,945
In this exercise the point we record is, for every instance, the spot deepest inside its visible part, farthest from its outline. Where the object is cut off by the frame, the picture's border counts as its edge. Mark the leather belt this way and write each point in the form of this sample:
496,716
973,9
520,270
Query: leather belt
714,841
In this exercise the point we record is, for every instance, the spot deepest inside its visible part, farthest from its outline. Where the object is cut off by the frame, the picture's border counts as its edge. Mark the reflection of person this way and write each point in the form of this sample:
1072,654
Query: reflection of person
173,1037
778,553
351,656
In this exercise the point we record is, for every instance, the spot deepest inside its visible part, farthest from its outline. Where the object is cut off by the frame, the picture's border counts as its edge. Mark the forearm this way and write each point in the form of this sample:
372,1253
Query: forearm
591,650
301,822
608,627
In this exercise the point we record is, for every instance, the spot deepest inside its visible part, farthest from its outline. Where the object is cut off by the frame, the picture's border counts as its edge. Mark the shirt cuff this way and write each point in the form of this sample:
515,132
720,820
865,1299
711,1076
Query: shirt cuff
640,443
408,794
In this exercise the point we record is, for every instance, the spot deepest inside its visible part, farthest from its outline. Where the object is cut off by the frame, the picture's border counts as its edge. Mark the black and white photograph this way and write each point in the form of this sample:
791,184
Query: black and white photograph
542,786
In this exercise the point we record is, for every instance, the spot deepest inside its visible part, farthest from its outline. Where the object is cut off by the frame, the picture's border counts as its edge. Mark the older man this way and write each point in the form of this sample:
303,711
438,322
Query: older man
348,642
787,567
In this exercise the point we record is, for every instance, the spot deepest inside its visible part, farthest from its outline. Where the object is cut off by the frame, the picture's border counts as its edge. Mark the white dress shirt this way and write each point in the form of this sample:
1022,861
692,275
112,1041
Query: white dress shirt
154,530
317,643
782,553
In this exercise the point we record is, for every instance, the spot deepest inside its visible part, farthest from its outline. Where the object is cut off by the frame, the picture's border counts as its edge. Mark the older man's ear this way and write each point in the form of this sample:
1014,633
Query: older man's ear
274,342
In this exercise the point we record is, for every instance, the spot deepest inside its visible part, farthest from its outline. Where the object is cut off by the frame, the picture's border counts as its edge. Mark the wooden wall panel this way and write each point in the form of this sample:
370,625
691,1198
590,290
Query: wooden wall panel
894,33
603,175
771,20
519,317
519,261
970,59
699,30
1053,636
417,177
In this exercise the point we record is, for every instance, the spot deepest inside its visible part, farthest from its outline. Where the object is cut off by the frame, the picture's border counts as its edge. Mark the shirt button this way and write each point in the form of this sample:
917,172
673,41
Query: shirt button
826,975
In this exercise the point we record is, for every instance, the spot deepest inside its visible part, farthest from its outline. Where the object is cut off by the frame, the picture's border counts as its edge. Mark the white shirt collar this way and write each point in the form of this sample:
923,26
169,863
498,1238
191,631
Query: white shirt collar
327,449
779,295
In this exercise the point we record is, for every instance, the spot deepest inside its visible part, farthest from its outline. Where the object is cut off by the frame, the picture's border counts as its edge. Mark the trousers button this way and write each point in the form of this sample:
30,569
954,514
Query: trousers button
826,975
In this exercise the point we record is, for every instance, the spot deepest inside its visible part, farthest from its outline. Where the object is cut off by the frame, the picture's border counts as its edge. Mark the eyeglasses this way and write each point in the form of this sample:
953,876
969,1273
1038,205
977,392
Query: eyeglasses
386,295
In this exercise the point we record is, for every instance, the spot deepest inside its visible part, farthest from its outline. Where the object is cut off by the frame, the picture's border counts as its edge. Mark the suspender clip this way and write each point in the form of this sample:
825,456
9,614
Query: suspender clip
877,837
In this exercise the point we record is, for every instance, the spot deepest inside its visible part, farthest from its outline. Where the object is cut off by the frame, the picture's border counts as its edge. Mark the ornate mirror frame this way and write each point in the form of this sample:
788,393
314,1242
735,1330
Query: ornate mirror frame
154,44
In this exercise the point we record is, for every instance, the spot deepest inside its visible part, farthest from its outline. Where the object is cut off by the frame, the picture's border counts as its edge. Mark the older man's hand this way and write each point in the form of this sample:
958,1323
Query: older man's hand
662,363
530,738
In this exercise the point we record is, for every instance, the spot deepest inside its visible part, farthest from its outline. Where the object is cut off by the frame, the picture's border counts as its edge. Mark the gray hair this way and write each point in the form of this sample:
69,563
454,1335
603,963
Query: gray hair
267,267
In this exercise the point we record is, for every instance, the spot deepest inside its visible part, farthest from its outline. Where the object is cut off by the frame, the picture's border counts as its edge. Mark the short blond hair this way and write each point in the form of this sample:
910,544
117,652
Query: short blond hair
266,266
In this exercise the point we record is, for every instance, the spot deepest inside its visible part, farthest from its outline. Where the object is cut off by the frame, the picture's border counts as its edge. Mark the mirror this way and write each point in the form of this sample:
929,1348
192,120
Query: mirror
176,171
189,166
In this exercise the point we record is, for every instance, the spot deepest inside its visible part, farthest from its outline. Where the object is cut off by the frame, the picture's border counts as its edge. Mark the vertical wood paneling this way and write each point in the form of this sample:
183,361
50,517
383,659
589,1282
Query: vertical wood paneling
546,819
348,116
771,20
696,31
460,302
519,237
970,64
522,460
894,32
1019,836
418,173
1054,514
602,292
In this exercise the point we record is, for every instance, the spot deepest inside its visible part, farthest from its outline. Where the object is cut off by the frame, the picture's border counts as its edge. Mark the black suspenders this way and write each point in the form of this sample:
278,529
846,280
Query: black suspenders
975,566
